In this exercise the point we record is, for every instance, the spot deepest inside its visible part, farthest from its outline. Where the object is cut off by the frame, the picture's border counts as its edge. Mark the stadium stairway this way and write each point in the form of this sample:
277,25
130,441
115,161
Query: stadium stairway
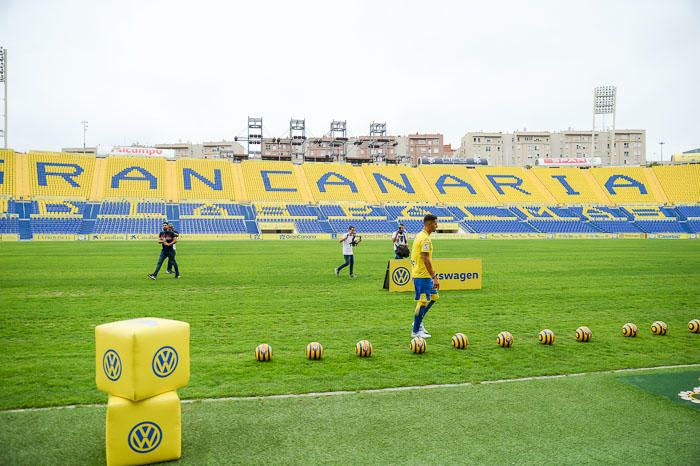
24,210
87,227
172,211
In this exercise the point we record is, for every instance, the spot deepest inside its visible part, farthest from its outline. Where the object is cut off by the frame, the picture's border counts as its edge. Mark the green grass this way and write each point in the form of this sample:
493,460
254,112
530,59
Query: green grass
238,294
593,419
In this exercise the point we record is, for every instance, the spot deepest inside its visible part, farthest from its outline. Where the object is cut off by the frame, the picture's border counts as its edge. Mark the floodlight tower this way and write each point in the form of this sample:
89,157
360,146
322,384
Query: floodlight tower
604,103
255,135
3,80
297,137
377,134
339,139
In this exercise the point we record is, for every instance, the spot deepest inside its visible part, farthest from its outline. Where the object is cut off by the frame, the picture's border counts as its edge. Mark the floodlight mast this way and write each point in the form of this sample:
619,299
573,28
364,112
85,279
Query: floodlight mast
3,80
604,103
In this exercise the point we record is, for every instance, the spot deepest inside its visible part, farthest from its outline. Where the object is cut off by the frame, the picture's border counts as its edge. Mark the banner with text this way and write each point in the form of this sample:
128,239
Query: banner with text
454,274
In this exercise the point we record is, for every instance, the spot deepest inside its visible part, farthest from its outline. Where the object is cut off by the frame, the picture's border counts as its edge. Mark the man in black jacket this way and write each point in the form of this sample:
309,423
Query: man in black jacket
167,238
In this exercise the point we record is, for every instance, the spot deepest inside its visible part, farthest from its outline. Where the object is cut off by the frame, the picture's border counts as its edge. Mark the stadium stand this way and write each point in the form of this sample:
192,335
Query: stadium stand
56,193
571,186
9,220
135,178
628,185
681,183
60,175
454,184
204,180
515,185
271,181
397,183
335,182
7,173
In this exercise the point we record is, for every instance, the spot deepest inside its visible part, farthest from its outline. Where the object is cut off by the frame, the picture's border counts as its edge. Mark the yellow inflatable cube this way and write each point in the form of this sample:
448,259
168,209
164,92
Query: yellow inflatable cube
143,432
140,358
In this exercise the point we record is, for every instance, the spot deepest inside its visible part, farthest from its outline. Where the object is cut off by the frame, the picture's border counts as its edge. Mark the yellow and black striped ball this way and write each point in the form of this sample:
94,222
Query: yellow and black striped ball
504,339
629,330
314,351
583,334
694,326
418,345
363,349
659,328
460,341
263,352
546,337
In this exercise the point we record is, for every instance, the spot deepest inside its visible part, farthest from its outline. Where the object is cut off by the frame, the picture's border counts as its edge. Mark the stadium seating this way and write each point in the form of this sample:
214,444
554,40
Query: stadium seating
204,179
515,185
9,220
335,182
79,194
135,178
629,185
397,183
271,181
571,186
681,183
60,175
7,173
454,184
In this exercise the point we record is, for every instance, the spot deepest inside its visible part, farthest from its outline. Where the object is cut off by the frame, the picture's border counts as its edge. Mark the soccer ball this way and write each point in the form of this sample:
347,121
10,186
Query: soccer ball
659,328
583,334
504,339
546,337
418,345
314,351
363,349
629,330
460,341
694,326
263,352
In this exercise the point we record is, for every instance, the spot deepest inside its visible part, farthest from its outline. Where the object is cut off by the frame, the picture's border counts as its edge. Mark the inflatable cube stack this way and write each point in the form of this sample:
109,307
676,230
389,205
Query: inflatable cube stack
140,363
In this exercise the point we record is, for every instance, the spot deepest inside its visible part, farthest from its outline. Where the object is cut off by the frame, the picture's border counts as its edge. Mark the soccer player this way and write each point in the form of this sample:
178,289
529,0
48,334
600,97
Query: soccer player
169,268
167,239
399,239
349,241
425,280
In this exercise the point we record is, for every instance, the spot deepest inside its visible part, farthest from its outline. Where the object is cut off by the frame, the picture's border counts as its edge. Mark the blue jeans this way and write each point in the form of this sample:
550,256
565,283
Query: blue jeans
349,260
170,255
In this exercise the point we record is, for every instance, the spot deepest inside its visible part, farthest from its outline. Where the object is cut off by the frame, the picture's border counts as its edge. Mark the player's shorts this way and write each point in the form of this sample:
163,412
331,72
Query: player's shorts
424,289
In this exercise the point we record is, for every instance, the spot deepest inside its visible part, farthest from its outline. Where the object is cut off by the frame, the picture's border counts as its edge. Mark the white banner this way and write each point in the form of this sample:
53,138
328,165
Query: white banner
140,151
569,162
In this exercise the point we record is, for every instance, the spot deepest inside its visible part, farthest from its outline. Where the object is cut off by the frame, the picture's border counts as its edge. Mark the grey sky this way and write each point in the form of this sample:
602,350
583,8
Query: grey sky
163,71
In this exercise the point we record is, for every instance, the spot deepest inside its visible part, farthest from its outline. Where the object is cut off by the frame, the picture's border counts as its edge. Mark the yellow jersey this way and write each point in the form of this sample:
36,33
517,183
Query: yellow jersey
421,244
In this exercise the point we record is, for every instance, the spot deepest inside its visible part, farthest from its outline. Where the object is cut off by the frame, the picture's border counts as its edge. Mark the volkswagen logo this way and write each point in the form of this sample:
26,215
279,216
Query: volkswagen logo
164,361
145,437
401,276
112,365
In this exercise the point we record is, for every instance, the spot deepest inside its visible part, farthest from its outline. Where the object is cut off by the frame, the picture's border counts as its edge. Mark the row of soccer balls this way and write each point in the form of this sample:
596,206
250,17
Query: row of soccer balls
363,348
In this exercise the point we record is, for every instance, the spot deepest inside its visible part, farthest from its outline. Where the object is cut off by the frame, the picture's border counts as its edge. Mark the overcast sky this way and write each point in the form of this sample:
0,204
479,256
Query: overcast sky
164,71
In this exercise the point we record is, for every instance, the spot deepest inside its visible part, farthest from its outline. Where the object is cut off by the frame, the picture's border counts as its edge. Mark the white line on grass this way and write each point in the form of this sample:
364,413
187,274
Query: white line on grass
370,390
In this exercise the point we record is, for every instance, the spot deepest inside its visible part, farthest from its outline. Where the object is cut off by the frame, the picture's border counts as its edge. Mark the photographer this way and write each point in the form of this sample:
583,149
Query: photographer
400,241
349,241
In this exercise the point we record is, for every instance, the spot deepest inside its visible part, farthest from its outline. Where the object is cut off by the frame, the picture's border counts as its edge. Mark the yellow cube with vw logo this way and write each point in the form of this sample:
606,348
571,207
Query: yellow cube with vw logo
143,432
140,358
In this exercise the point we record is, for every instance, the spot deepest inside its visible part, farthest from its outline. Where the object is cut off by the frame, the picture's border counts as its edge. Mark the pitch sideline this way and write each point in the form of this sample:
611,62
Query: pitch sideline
369,390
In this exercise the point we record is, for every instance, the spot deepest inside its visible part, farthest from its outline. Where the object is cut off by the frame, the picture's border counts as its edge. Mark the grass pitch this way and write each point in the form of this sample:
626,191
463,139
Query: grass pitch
236,295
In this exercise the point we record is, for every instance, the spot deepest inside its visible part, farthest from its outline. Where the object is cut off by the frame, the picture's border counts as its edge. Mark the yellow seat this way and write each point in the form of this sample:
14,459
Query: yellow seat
271,181
7,173
681,183
205,179
392,183
135,178
334,182
515,185
455,184
626,185
60,175
570,186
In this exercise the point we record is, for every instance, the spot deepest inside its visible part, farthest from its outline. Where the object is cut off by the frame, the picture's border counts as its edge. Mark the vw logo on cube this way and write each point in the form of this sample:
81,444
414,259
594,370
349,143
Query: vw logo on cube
112,365
401,276
164,361
145,437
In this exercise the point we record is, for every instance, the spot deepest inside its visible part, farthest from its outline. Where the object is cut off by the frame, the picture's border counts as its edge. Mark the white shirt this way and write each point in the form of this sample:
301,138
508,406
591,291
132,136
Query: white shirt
347,244
399,238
